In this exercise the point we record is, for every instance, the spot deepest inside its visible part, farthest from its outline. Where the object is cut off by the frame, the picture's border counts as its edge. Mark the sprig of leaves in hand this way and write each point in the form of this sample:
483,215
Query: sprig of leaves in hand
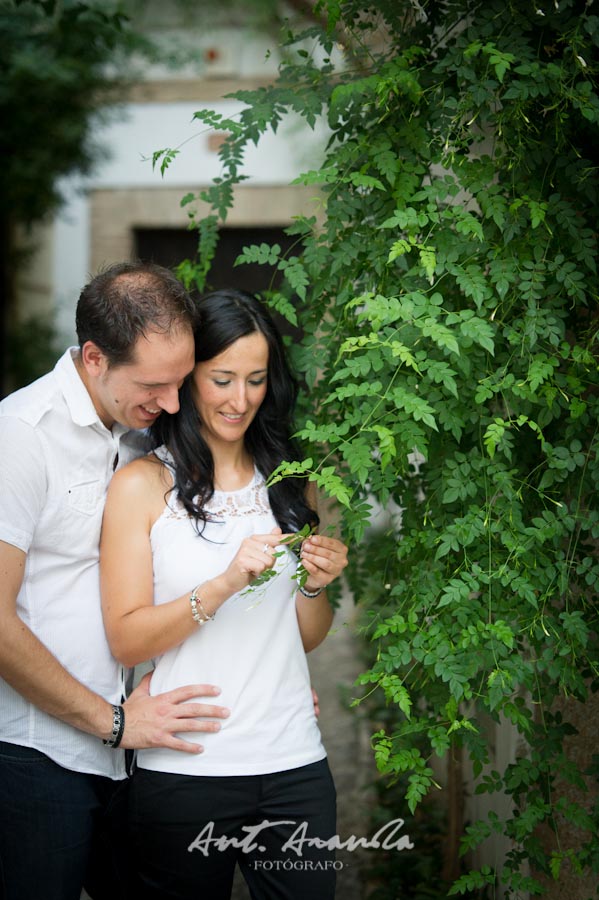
292,542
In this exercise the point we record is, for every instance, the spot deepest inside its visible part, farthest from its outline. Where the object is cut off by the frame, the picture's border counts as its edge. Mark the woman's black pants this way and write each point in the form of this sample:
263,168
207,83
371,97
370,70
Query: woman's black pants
189,832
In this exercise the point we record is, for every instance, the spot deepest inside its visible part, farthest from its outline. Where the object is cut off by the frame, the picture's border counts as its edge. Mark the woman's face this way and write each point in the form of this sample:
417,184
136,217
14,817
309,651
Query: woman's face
230,387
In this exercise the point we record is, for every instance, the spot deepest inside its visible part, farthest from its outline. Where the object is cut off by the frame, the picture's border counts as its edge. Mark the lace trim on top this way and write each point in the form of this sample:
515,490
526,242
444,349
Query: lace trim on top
247,501
250,500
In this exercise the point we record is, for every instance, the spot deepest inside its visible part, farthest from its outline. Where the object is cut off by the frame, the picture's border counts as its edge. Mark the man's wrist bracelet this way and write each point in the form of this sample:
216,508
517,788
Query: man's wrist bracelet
118,727
310,594
199,614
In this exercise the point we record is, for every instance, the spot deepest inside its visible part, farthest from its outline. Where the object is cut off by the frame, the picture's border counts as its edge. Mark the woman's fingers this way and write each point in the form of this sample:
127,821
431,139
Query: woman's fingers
267,543
324,557
257,553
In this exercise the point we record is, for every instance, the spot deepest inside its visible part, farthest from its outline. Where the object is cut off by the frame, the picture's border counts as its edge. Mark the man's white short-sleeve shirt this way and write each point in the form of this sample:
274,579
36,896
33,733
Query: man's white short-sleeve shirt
56,460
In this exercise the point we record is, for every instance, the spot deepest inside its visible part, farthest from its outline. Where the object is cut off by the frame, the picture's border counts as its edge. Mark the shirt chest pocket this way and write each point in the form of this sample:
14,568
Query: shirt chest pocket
85,497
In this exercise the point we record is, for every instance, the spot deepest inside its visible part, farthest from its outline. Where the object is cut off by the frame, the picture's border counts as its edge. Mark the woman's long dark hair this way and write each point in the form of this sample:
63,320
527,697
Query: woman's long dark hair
222,318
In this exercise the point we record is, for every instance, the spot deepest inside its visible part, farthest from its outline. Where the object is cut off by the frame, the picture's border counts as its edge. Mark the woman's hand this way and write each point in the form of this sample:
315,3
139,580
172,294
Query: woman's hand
255,556
324,558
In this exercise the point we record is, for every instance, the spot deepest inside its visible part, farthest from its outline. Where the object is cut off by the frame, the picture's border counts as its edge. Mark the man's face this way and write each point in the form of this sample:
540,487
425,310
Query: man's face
136,393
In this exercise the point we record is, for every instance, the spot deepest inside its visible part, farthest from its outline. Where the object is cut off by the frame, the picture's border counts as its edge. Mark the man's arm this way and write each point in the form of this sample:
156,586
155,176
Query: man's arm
31,670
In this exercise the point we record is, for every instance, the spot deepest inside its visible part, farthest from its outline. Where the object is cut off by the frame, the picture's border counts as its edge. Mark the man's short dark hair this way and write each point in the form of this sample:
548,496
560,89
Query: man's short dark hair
124,302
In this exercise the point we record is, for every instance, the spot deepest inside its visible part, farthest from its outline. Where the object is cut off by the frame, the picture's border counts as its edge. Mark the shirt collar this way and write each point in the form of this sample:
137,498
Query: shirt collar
78,400
79,403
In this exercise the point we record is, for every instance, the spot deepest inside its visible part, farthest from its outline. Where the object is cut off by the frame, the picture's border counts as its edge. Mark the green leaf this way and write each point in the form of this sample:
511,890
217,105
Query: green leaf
480,332
264,254
414,406
167,156
366,181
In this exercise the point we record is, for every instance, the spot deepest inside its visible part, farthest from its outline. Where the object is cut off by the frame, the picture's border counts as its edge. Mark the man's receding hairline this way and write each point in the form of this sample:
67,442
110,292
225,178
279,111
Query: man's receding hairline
176,327
138,279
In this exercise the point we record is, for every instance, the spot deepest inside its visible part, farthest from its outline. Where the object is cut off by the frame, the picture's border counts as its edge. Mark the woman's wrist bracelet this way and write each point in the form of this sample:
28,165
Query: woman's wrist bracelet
199,614
310,594
118,727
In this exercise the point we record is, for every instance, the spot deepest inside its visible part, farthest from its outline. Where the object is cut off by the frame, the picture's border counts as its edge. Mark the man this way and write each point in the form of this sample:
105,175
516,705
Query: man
63,725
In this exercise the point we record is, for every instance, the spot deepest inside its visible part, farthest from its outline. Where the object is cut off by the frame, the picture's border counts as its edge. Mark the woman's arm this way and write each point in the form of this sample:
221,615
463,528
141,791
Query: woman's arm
324,558
137,630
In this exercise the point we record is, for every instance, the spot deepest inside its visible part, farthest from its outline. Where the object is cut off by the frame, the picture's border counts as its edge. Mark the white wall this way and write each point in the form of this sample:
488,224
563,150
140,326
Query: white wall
130,140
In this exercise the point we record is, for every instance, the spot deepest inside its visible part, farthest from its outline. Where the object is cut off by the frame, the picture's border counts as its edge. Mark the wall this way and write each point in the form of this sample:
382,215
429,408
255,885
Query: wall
94,225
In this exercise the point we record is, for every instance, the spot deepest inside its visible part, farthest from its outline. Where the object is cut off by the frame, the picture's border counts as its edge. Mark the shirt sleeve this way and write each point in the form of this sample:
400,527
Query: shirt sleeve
23,482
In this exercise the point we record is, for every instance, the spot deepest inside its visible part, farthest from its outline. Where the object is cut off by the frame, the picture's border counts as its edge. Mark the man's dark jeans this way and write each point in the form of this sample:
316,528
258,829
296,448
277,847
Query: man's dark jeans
59,830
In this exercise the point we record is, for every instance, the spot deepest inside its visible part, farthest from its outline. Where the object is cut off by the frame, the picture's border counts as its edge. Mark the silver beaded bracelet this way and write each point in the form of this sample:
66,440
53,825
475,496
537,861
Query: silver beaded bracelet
200,616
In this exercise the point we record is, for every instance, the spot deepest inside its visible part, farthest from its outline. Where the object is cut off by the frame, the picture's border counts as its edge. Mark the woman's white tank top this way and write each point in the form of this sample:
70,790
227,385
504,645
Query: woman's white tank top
252,649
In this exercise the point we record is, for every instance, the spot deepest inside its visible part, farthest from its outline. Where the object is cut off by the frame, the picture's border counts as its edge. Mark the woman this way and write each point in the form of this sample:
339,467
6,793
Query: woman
196,574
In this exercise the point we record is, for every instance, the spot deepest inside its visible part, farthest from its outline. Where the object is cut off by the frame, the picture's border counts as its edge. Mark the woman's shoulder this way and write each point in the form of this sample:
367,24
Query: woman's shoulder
146,474
138,491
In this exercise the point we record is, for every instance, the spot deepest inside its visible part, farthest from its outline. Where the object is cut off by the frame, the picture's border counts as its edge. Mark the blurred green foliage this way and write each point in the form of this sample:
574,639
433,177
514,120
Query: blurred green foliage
32,351
53,80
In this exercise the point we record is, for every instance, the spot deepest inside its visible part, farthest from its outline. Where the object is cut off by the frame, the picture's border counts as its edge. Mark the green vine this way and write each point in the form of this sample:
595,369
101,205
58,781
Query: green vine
448,301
